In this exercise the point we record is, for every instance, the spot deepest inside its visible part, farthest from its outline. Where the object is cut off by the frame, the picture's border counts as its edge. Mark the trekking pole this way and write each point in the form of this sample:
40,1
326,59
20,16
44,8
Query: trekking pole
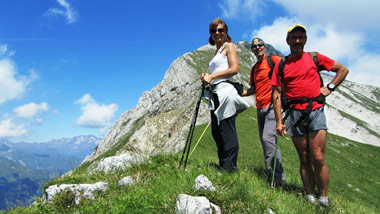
274,165
275,153
199,139
192,127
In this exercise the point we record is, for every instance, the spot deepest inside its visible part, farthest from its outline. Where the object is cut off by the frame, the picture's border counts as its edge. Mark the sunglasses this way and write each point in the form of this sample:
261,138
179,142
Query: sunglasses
257,45
220,30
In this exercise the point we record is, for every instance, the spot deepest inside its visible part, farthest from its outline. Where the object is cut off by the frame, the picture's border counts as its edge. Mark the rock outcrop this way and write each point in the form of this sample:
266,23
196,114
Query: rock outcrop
79,190
190,204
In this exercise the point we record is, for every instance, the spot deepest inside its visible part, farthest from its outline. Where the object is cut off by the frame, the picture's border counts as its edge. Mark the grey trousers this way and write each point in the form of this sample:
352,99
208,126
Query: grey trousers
267,131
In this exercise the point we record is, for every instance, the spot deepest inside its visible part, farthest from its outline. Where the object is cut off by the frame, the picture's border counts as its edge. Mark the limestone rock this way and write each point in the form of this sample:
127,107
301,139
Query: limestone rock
126,181
195,205
121,162
202,182
80,190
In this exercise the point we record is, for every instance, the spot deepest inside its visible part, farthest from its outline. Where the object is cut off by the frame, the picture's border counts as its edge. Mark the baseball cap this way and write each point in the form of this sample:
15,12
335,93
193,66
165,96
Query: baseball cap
297,26
257,41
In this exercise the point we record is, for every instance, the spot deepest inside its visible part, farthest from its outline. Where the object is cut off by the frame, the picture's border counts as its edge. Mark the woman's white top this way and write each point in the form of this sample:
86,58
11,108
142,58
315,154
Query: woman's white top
230,102
218,64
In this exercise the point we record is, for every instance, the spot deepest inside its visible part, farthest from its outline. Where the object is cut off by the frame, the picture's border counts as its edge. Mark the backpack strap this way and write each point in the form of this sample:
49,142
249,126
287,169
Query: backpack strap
252,78
315,59
271,65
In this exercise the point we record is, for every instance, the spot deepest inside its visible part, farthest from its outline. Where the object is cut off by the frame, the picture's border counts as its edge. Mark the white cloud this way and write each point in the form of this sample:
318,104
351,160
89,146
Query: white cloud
342,46
250,9
31,110
11,87
3,49
366,69
66,11
337,29
95,115
9,129
348,16
85,100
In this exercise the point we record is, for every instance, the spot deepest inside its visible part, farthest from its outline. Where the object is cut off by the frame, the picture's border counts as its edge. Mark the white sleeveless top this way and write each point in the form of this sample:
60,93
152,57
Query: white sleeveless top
219,63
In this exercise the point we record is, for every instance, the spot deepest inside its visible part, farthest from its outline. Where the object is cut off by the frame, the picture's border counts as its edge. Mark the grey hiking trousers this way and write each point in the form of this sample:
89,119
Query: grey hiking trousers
267,131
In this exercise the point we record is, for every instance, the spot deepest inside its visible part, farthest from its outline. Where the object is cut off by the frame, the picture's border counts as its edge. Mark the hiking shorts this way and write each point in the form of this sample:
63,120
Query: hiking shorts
315,121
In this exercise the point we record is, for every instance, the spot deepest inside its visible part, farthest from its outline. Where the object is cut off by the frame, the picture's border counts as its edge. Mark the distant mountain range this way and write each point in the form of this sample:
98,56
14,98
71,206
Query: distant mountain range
25,167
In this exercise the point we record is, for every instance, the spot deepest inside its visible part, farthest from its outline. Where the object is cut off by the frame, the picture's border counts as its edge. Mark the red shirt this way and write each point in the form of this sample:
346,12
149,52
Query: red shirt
301,77
263,88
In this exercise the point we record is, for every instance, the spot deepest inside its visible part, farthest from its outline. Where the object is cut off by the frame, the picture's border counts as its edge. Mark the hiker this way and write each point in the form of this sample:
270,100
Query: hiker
260,85
225,102
299,77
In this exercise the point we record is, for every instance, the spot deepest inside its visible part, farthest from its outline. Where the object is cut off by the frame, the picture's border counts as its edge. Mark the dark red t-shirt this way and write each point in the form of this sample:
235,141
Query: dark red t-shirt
301,77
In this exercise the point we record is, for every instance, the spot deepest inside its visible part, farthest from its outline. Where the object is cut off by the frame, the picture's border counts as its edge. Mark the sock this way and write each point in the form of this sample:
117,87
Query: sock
324,200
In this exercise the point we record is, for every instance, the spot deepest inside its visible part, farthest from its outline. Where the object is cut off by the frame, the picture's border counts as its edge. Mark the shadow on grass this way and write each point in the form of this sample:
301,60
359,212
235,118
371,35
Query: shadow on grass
291,188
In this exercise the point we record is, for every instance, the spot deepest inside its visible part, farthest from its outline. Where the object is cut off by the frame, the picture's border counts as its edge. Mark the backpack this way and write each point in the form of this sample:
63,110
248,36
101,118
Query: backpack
286,103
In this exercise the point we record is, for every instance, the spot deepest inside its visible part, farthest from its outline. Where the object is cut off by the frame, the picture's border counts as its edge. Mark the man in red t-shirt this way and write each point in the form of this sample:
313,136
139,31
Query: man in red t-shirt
307,122
260,85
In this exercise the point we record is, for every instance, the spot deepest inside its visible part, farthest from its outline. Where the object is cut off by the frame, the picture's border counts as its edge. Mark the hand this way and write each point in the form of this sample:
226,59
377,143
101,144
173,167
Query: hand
281,129
206,78
325,91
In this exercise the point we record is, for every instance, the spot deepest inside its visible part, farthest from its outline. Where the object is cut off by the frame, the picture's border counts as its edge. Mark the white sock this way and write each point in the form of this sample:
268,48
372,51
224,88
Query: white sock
323,200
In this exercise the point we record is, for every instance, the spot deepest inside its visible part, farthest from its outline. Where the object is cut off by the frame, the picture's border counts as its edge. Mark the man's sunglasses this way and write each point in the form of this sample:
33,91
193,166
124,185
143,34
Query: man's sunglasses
220,30
257,45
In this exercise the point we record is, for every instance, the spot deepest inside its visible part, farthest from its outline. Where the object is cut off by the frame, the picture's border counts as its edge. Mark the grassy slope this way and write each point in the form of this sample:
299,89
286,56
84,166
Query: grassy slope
354,181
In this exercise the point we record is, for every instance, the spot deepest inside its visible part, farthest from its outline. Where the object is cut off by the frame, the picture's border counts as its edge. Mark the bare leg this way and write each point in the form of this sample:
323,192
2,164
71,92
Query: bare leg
306,168
317,144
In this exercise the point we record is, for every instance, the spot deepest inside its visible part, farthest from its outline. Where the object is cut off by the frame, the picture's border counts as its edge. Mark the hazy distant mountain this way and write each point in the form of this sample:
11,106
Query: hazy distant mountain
25,167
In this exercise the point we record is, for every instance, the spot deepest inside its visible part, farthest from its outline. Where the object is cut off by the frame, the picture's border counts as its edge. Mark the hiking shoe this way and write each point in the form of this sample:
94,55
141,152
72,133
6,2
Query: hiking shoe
323,201
311,198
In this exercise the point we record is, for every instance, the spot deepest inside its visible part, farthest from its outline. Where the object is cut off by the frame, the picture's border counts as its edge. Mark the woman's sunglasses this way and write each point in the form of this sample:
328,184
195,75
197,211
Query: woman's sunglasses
220,30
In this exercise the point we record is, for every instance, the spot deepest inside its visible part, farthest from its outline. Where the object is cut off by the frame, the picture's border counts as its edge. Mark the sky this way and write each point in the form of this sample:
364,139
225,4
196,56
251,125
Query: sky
73,67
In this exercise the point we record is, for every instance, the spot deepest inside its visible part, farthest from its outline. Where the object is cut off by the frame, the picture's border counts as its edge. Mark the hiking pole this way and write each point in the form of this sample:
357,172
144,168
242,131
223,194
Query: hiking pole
274,165
192,127
275,153
199,139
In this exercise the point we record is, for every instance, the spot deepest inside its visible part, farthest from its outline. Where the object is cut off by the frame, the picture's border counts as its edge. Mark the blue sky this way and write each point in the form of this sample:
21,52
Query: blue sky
72,67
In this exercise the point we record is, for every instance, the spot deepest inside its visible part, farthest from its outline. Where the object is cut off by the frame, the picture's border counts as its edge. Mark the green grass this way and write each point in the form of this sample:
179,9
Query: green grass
354,180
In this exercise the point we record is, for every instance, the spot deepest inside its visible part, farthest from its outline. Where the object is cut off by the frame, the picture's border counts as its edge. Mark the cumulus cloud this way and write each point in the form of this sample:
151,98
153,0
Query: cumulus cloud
353,16
12,86
95,115
31,110
66,11
9,129
250,9
336,29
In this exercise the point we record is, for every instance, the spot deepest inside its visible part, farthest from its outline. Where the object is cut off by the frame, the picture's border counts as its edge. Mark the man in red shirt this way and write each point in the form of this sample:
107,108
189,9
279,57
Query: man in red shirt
302,87
260,85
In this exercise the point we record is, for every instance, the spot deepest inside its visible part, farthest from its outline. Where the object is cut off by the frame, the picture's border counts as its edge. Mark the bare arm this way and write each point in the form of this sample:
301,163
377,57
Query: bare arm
276,100
248,91
233,63
341,73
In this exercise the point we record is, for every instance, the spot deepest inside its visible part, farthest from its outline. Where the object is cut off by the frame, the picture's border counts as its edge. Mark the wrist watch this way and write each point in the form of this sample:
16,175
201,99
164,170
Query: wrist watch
331,86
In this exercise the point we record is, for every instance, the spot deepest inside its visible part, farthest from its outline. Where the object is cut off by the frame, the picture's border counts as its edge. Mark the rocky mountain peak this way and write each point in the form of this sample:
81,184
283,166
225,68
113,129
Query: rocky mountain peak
160,120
